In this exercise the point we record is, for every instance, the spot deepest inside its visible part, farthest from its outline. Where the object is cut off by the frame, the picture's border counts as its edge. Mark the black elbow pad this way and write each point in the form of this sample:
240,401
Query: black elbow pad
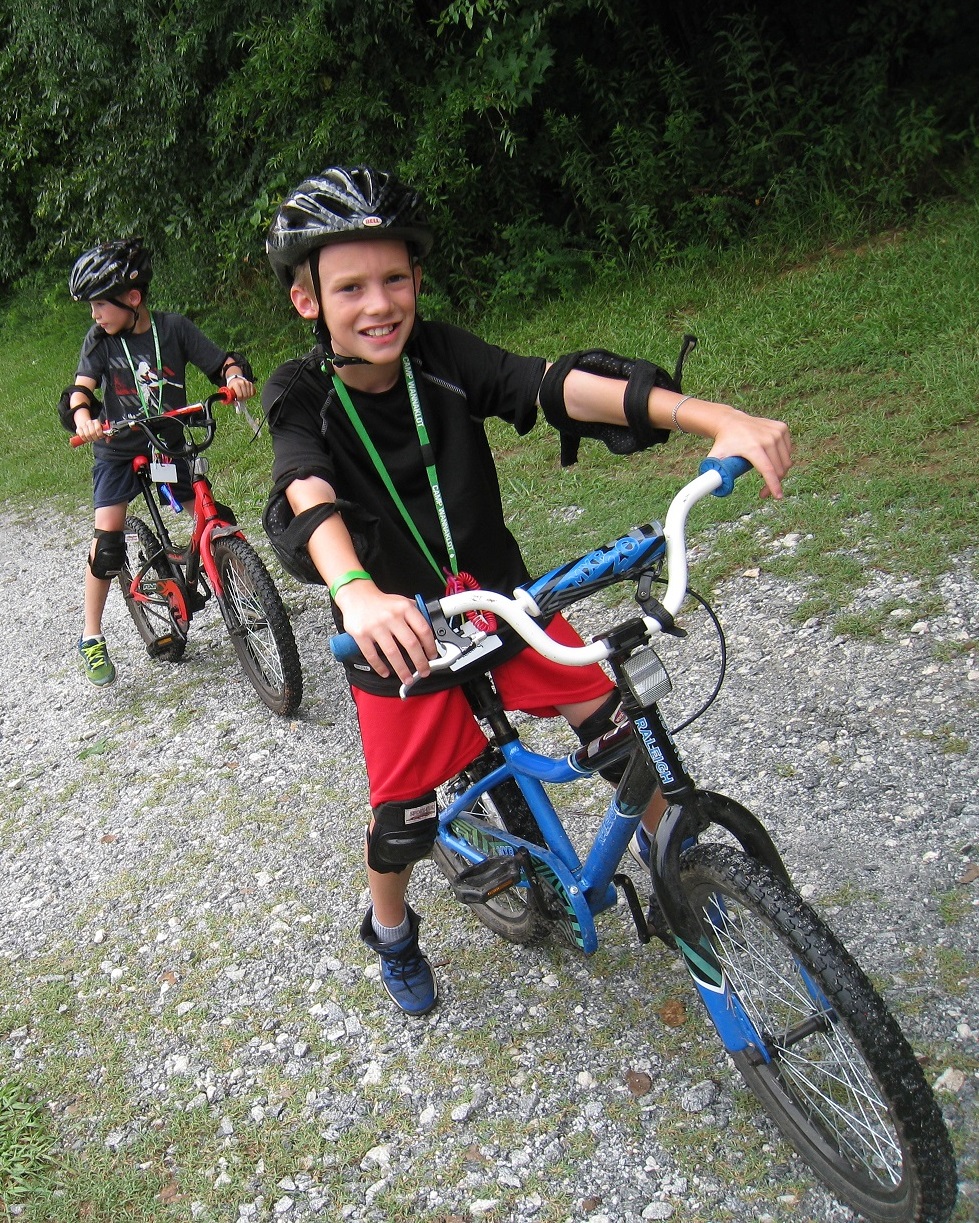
640,378
66,412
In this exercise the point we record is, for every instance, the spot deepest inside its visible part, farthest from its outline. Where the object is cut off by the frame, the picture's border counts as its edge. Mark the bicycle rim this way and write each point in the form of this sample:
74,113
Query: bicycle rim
259,625
840,1080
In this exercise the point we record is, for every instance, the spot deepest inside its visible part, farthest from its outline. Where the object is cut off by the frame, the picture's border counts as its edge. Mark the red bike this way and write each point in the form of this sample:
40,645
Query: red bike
164,586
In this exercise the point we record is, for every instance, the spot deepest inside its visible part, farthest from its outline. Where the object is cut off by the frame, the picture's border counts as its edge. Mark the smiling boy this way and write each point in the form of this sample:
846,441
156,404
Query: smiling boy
386,488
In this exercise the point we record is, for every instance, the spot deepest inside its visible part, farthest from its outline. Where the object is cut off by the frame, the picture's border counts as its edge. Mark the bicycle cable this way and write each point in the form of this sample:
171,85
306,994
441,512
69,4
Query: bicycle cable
722,668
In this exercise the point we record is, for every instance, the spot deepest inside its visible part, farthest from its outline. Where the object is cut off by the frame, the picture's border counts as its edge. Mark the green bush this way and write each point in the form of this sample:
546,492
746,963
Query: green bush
543,135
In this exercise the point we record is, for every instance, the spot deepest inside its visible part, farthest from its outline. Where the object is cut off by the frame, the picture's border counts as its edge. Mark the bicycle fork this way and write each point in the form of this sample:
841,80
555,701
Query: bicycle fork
689,813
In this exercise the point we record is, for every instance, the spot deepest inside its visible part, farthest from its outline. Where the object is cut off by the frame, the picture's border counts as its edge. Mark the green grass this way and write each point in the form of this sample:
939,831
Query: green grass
869,352
26,1143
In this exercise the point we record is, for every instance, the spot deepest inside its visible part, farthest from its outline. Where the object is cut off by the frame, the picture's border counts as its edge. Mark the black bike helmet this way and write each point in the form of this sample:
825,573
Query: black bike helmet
110,269
341,204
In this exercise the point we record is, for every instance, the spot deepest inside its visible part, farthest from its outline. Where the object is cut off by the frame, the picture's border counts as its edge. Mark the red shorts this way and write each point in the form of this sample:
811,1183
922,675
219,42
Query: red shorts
412,746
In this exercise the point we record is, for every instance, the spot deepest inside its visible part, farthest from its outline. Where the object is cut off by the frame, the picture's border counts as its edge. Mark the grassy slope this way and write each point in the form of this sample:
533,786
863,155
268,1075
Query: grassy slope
869,353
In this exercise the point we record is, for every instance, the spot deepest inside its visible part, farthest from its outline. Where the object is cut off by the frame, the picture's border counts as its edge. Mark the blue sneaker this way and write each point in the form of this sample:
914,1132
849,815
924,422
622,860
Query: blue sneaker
405,972
96,661
640,846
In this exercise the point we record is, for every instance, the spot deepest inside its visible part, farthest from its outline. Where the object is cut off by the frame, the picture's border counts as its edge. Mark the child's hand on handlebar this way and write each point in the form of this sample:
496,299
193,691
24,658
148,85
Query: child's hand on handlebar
242,387
765,443
89,430
383,626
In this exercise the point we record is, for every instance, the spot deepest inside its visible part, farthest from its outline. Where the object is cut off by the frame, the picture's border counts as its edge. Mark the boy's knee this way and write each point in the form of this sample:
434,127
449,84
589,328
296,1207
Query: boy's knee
108,556
401,834
600,723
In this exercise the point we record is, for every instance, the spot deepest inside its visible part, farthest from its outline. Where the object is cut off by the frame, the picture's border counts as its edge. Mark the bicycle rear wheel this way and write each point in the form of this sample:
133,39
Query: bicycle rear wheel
258,625
836,1075
510,913
163,633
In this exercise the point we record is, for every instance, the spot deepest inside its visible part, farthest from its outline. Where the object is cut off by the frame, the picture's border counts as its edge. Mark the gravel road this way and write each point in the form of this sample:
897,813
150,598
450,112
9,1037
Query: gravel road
182,875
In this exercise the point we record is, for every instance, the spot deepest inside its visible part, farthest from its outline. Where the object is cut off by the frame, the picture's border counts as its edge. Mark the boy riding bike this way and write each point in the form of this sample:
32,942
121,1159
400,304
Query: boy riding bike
139,360
385,487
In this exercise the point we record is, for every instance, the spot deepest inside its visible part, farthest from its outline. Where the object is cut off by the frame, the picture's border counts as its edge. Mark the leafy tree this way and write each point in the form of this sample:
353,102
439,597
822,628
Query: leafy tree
544,134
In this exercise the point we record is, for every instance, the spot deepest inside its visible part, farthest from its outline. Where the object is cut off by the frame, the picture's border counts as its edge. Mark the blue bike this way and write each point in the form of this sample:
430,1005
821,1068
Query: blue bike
798,1016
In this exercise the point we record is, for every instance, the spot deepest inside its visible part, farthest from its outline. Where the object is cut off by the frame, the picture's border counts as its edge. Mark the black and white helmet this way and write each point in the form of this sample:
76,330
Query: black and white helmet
110,269
342,204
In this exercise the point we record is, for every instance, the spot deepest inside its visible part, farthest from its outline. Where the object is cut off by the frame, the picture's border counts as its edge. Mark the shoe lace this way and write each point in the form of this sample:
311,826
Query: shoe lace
408,963
96,655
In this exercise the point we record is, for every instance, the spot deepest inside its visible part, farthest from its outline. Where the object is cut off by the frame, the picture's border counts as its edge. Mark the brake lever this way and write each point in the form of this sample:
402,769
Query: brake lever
448,653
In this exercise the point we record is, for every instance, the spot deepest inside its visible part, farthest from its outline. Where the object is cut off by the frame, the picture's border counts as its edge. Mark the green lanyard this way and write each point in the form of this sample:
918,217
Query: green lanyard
144,398
428,458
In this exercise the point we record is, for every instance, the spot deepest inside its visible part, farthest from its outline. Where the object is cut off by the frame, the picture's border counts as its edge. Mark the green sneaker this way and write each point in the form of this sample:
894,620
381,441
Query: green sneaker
95,657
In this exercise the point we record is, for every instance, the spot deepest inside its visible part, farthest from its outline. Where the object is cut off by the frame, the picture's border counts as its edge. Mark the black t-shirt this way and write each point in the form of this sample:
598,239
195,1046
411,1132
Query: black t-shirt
104,358
461,381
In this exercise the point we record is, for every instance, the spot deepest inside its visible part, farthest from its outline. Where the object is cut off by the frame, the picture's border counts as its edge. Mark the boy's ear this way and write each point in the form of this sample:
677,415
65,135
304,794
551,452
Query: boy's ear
304,301
417,270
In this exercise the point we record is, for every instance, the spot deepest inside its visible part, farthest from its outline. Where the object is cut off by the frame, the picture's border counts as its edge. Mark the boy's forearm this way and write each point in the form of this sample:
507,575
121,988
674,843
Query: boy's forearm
766,444
589,397
330,546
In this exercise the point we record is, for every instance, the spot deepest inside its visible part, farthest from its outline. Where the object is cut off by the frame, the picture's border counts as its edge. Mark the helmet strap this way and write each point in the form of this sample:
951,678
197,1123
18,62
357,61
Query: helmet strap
133,310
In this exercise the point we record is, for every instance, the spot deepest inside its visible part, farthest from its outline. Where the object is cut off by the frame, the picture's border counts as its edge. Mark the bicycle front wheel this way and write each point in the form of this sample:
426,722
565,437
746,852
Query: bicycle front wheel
258,625
833,1071
158,580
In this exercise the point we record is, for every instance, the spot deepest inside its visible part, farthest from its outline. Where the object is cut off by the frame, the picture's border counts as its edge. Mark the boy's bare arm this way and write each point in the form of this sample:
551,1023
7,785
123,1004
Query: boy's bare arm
380,623
87,427
765,443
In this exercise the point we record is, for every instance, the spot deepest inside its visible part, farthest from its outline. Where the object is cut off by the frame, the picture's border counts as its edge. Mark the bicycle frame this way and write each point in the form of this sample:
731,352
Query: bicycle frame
208,521
208,524
590,887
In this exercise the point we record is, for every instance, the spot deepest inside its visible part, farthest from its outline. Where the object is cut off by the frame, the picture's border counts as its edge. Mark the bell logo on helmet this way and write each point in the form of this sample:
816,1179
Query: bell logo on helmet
371,222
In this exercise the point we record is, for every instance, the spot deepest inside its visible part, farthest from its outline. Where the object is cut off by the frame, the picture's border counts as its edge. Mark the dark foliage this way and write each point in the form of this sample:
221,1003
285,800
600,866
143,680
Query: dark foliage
544,135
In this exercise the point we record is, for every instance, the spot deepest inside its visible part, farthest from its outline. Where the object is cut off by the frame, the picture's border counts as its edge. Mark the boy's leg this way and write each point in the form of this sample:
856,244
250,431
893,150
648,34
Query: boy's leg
112,520
105,558
577,715
388,893
390,928
409,748
600,711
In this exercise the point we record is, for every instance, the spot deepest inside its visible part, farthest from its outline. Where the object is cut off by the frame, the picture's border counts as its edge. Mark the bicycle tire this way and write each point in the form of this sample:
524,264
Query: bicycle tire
154,619
258,625
846,1091
509,914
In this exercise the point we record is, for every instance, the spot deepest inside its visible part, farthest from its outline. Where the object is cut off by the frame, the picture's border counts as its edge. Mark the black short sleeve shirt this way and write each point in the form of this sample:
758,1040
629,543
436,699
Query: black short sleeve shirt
461,381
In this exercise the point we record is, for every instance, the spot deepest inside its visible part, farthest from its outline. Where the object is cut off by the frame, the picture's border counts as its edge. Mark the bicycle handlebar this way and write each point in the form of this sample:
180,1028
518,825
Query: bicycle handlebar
630,555
223,394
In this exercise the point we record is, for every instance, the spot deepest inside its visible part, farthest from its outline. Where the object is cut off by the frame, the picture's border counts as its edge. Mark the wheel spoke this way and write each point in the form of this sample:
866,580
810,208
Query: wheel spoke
825,1072
254,624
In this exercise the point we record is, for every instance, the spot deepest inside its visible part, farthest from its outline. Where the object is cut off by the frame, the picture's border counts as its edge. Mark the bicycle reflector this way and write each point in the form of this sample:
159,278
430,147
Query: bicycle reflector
646,676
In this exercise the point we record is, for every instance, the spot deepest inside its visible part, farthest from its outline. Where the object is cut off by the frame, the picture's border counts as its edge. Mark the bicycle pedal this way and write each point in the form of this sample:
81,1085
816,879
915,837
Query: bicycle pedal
160,646
483,880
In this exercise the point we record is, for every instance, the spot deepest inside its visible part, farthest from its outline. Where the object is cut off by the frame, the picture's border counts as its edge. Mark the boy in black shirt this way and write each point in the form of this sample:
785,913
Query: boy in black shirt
378,435
139,361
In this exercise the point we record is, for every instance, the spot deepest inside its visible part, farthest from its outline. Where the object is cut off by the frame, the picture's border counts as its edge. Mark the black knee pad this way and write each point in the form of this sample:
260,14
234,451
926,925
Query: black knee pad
109,554
401,834
599,723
